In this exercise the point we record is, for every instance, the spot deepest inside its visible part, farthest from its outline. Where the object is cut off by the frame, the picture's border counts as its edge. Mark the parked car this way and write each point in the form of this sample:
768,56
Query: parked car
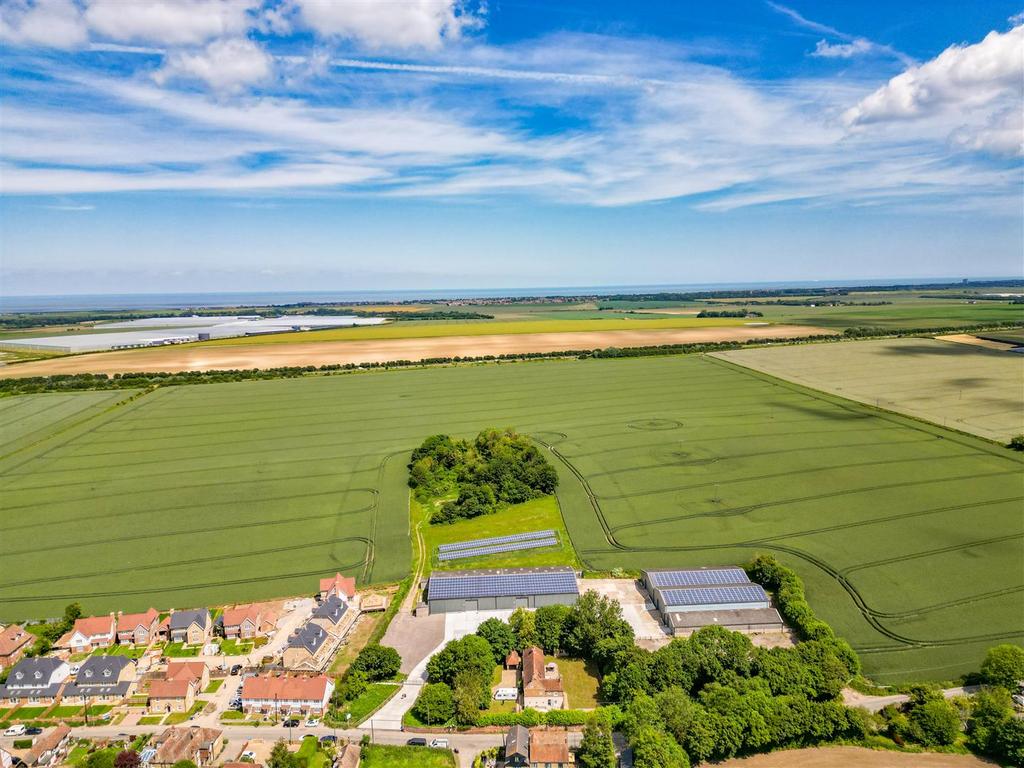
417,742
248,755
328,739
312,722
74,669
439,743
32,731
15,730
236,669
290,723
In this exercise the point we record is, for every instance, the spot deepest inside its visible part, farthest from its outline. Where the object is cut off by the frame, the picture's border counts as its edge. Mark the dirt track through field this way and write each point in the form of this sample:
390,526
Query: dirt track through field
199,358
855,757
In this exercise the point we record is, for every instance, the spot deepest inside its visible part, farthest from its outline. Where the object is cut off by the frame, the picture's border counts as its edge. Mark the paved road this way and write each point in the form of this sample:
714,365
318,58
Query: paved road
468,744
877,703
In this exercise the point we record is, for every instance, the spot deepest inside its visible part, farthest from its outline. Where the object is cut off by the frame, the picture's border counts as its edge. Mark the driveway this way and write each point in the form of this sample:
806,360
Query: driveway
853,698
456,625
650,633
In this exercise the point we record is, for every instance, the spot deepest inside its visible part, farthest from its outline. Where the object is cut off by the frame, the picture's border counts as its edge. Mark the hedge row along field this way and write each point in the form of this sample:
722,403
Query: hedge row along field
907,536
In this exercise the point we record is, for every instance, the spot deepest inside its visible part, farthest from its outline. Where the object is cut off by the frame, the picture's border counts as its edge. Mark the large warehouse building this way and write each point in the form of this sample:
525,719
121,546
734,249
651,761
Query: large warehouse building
501,588
691,598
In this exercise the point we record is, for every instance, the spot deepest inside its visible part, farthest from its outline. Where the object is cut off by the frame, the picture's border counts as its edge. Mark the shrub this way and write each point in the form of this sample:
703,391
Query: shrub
435,704
1004,665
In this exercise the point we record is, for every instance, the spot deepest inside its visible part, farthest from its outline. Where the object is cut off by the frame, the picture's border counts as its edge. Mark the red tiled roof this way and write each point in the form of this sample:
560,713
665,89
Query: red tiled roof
185,670
234,617
285,688
513,659
94,625
12,639
533,674
341,584
549,747
47,742
169,689
129,622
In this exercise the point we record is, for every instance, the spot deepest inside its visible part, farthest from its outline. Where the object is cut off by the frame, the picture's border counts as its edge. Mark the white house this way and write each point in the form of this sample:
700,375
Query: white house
91,632
35,681
287,695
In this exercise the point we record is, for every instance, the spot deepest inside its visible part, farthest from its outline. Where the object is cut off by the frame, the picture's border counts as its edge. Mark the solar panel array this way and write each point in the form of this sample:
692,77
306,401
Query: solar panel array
502,585
514,546
751,593
698,577
497,540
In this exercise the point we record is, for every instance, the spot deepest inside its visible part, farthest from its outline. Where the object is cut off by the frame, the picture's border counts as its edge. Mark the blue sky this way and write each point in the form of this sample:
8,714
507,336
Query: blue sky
189,145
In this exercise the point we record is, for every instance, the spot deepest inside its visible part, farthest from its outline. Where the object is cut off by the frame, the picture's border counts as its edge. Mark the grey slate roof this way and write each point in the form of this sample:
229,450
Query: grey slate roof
332,609
112,688
31,677
517,742
185,619
309,636
97,670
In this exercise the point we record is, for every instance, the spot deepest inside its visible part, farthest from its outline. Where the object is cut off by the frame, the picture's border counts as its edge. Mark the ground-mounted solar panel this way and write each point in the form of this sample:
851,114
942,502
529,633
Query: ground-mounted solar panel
476,543
698,577
501,584
699,596
513,546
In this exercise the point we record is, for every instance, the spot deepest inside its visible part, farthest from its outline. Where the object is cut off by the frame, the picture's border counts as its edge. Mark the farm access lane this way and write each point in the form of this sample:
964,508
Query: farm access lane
854,698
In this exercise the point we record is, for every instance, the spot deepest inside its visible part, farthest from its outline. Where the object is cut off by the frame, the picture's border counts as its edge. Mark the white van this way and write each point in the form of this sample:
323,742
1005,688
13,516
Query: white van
15,730
439,743
506,694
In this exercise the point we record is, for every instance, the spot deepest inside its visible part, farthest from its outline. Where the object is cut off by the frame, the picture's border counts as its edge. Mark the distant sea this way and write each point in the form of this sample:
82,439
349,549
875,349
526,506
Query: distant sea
125,301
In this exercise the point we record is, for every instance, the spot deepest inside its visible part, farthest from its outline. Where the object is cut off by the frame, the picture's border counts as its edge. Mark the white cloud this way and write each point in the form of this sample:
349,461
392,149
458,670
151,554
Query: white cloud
403,24
224,65
49,23
963,76
858,47
170,22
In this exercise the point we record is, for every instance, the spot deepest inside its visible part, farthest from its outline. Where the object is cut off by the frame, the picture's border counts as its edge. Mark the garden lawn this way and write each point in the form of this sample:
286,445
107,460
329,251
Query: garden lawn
176,718
580,681
372,699
28,713
180,650
383,756
151,719
58,713
132,652
310,752
534,515
214,686
234,647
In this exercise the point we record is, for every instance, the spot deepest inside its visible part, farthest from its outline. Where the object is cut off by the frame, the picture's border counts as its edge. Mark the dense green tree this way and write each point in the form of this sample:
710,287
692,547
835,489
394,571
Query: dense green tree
351,686
677,712
524,627
281,757
1004,665
500,636
470,694
72,613
991,707
469,654
596,747
826,671
378,662
593,617
783,669
718,650
935,722
1016,443
549,622
1008,741
653,748
435,704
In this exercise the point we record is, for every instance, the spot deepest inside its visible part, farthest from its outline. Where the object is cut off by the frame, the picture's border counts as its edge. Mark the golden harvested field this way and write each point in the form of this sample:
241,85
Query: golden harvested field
961,386
202,357
855,757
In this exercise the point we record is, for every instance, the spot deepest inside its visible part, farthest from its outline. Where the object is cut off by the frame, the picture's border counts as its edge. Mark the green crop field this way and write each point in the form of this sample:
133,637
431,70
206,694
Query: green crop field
908,535
964,387
23,420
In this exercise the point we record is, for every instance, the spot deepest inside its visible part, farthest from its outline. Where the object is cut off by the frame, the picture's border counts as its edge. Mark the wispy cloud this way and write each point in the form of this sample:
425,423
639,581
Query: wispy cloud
851,46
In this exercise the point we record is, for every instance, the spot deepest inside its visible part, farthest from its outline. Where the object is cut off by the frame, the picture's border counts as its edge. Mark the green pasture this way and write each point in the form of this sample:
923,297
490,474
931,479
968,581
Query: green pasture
385,756
907,535
964,387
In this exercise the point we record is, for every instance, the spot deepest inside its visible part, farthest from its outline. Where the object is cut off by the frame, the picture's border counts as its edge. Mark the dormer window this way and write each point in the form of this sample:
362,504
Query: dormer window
106,673
88,673
19,675
38,675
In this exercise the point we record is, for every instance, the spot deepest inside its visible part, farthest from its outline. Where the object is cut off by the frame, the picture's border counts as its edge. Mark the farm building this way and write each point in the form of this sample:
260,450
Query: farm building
691,598
501,588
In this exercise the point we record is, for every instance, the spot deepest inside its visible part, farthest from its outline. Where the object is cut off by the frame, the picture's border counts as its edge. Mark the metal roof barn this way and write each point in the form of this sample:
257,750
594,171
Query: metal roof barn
501,588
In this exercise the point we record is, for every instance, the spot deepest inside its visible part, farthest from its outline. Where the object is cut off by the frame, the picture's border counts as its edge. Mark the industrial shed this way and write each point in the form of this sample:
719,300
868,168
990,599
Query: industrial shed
691,598
501,588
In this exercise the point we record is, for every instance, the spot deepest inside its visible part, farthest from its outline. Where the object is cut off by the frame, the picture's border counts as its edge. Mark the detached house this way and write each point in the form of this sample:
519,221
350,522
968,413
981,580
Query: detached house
537,749
542,685
342,586
189,670
287,695
199,745
102,680
191,627
137,628
246,621
35,681
14,641
50,748
178,690
90,633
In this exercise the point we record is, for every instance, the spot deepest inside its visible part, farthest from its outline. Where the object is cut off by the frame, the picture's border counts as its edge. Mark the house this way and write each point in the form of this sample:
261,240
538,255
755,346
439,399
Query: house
50,748
102,680
542,686
137,628
35,681
333,615
189,670
172,695
90,633
517,747
308,649
287,695
193,627
342,586
199,745
549,749
14,641
246,621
